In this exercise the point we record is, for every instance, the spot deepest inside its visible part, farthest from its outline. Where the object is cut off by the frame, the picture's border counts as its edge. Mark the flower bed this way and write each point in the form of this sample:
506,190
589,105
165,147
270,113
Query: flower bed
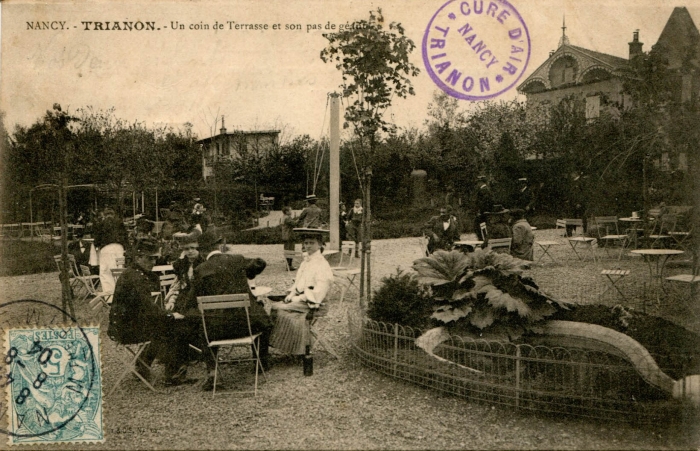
556,380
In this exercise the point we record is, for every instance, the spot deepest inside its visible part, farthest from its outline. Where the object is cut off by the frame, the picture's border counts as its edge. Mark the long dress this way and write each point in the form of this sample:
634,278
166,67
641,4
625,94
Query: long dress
313,281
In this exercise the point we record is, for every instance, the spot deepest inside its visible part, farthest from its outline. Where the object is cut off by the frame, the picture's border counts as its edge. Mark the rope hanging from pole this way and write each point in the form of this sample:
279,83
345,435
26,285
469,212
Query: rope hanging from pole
318,162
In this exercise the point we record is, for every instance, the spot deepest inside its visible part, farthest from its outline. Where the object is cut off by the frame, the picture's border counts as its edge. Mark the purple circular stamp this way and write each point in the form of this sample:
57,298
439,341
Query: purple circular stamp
476,49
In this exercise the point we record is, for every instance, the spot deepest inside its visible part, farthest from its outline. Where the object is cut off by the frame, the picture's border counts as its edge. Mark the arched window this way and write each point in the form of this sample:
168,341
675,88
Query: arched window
563,72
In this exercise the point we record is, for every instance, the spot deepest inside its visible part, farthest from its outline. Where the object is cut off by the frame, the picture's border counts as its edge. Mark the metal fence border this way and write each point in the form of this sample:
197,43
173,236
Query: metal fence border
555,380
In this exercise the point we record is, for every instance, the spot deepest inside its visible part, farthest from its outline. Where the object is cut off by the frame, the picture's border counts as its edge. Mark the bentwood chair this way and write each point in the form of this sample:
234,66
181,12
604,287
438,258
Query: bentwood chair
251,340
609,234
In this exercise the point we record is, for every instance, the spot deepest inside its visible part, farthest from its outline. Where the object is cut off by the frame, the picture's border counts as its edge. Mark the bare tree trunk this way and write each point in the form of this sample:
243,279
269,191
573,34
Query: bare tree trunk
368,237
66,292
363,230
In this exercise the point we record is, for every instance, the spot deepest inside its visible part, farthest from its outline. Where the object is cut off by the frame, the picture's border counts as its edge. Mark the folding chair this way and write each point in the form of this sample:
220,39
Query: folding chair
131,358
116,272
346,275
692,279
99,298
661,234
682,239
587,243
561,224
500,245
252,341
484,232
79,283
614,276
609,234
166,282
291,255
120,261
320,313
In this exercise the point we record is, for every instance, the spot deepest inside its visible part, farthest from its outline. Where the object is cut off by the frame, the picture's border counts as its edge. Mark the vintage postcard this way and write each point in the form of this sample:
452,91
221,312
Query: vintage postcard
561,132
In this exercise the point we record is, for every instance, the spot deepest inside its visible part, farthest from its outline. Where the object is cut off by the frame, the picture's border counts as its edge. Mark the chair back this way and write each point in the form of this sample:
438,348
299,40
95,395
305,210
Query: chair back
72,265
223,302
166,281
606,225
500,244
116,272
484,232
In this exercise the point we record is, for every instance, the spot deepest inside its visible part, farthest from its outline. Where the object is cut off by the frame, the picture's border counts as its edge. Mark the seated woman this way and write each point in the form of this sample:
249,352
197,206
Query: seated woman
185,265
313,280
522,236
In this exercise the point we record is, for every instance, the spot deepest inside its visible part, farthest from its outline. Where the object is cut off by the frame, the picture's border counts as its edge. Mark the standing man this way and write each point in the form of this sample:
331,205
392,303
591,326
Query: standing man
310,217
524,199
484,204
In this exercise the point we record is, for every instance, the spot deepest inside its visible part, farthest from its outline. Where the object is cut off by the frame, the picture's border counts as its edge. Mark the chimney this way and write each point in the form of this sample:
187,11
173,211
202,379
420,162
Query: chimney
635,45
222,130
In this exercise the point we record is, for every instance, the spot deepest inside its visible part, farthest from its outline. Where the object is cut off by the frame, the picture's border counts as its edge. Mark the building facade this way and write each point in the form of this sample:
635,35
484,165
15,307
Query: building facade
229,146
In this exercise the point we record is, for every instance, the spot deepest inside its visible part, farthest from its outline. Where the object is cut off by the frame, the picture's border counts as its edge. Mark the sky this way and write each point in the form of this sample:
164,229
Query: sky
264,79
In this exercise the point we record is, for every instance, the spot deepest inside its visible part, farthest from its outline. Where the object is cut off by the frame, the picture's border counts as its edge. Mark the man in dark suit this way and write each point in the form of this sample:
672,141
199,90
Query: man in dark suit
225,274
441,231
484,204
81,251
135,318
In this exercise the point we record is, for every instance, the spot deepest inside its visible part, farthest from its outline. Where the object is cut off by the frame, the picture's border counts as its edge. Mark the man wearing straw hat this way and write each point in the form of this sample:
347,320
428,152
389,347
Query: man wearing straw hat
310,217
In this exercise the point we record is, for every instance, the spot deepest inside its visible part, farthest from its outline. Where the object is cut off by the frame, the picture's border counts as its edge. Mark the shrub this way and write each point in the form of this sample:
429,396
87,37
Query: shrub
401,299
27,257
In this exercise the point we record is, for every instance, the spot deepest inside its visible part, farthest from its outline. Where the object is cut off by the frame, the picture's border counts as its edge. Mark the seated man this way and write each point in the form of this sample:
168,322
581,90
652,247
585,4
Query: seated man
224,274
523,237
441,231
135,318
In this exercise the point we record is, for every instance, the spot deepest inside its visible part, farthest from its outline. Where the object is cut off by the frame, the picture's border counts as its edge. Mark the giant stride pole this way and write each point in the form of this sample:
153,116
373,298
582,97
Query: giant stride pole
335,172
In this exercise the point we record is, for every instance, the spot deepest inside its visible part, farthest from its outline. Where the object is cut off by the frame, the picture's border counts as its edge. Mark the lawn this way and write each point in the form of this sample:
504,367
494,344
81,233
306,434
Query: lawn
347,406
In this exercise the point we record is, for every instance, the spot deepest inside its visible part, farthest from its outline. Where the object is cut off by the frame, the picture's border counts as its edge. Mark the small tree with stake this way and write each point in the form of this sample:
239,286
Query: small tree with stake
375,67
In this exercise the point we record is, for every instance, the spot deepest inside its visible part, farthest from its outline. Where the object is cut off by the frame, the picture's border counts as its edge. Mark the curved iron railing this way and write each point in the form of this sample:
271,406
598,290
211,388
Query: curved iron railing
557,380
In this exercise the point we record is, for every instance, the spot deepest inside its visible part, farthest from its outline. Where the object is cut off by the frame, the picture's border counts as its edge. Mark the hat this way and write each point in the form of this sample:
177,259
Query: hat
147,246
498,208
187,238
210,239
306,232
522,179
311,197
481,178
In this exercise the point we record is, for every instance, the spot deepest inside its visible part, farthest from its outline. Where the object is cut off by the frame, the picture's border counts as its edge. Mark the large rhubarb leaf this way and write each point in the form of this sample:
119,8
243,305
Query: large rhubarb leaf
448,313
441,267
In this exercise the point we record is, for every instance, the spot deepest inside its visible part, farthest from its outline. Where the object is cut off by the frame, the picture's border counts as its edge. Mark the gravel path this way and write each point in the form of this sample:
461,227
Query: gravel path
346,406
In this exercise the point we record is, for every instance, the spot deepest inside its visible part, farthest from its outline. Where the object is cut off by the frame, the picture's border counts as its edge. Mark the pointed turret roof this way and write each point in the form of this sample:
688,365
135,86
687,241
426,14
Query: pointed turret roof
678,37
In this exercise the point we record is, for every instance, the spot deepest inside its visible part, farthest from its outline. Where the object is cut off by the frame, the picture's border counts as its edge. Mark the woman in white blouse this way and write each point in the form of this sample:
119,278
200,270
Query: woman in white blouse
311,285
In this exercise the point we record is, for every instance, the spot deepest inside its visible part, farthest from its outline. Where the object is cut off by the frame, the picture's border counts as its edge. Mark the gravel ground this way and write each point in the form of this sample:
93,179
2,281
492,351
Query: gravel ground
346,406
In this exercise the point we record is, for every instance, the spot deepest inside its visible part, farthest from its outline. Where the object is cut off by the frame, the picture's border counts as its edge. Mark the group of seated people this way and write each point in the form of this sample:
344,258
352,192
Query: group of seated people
443,231
206,267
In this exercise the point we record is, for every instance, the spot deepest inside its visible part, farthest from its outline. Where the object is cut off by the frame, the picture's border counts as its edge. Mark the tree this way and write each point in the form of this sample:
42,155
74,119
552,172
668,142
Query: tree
375,67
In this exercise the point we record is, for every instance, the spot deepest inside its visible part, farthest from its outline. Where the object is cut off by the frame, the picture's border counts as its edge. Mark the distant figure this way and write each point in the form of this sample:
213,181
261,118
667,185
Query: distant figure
442,231
577,208
523,238
524,199
288,236
354,227
310,217
497,223
342,219
483,204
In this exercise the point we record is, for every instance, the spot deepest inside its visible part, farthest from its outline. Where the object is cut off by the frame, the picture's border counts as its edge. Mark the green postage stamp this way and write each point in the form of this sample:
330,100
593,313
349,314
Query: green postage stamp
53,385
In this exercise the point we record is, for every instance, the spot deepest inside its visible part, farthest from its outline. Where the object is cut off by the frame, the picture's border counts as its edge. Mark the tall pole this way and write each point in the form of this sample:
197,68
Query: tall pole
335,172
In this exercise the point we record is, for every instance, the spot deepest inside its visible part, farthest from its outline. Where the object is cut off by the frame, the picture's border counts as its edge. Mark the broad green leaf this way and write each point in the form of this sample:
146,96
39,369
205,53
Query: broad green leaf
481,318
499,299
448,314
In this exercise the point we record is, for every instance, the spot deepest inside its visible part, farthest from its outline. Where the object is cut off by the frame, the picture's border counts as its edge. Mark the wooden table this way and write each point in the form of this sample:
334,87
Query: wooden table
656,259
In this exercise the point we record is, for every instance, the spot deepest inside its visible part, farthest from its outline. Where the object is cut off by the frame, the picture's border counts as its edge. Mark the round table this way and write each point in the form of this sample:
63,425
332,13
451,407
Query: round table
656,259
